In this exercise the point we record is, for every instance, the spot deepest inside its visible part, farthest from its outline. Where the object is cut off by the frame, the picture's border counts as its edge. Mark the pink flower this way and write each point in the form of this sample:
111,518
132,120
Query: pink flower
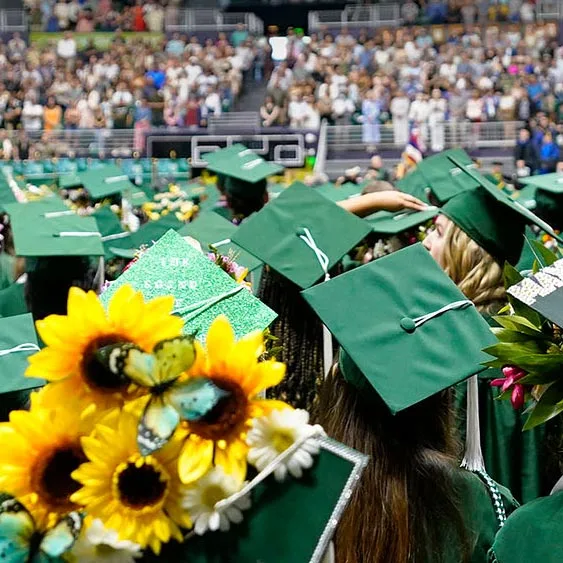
512,374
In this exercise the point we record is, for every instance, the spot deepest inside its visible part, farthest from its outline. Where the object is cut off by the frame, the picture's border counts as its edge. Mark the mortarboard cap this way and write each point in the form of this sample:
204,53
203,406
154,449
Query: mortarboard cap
54,233
490,217
150,232
288,522
18,340
339,193
104,182
526,196
407,336
301,234
201,289
387,223
12,301
548,196
70,181
113,235
6,194
212,230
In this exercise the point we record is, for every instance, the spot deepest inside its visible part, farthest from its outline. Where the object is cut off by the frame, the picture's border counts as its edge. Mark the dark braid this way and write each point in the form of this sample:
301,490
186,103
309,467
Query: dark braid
300,336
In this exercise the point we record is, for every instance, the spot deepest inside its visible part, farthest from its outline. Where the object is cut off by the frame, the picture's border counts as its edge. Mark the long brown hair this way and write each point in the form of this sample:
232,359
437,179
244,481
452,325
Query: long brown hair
406,508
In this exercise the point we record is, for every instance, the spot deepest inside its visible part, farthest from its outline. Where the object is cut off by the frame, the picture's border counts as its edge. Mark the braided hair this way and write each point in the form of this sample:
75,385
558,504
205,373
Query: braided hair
300,336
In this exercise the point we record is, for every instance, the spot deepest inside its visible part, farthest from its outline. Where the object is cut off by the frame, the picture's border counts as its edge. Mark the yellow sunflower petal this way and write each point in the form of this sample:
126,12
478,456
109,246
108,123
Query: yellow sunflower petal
265,374
195,459
231,460
264,407
220,341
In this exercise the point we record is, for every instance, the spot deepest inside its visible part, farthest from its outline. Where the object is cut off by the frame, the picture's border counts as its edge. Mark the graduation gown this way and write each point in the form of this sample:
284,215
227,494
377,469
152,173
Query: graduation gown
534,533
512,457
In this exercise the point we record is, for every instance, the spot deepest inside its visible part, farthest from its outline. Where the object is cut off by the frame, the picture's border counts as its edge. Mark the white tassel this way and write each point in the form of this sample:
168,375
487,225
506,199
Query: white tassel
473,458
328,354
558,486
100,277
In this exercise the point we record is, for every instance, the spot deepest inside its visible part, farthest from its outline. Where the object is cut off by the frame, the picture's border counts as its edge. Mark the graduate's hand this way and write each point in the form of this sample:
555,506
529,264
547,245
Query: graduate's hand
388,201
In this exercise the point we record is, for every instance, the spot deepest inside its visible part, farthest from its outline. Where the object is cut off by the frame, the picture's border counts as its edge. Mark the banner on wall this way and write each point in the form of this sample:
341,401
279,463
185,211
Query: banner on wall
102,40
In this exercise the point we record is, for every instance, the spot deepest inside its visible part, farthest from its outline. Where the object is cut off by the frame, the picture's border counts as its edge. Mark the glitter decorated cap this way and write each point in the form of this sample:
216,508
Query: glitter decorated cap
406,337
53,233
387,223
273,527
113,235
210,229
202,290
301,234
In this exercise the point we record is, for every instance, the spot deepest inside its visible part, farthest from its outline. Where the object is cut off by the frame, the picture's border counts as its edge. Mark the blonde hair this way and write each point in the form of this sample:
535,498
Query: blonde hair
477,274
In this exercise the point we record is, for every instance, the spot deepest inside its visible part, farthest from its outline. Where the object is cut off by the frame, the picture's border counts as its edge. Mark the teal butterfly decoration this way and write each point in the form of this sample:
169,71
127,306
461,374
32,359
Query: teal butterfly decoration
171,401
21,542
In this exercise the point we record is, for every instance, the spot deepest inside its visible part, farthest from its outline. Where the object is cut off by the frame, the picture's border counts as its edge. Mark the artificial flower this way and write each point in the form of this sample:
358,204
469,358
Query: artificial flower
139,497
272,434
97,544
228,265
39,450
205,493
73,340
512,374
220,437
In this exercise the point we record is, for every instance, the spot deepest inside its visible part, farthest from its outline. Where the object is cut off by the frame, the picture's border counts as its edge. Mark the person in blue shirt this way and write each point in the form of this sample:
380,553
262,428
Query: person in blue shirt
535,93
175,46
158,76
549,154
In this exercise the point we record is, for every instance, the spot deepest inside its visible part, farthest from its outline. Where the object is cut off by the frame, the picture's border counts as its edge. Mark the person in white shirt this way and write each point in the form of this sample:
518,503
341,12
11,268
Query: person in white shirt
32,114
213,101
193,70
419,112
66,47
312,119
436,120
297,111
6,146
61,12
400,115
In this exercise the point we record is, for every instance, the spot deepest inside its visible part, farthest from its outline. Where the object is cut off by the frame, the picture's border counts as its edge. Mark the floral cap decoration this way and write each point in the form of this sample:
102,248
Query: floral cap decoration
530,352
158,443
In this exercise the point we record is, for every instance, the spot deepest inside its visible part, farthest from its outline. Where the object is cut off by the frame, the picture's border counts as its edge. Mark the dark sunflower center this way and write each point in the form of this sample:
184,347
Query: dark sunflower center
56,483
227,416
141,486
95,365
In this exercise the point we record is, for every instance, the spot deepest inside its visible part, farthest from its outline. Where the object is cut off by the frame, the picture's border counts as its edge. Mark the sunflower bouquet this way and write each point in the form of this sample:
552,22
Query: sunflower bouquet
142,435
530,348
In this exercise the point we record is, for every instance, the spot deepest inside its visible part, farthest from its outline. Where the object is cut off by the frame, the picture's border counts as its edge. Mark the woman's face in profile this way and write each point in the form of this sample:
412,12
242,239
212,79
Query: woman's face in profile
435,241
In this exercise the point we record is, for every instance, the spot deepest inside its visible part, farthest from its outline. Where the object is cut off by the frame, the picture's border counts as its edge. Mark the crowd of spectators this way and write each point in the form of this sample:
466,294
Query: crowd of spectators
102,15
134,84
440,84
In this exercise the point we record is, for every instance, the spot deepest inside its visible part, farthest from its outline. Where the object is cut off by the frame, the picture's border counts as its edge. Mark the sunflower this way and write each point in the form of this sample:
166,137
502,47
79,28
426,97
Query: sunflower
72,341
220,436
39,449
139,497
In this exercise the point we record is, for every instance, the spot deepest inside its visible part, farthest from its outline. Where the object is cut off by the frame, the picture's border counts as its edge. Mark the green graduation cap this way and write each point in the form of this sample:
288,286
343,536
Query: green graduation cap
406,336
339,193
6,194
301,234
202,290
53,233
289,522
48,207
18,341
245,171
152,230
212,230
388,223
70,181
113,235
103,182
12,301
525,196
548,197
489,216
415,184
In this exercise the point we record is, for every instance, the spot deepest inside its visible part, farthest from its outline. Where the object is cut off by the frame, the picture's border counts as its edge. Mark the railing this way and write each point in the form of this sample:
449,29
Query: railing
320,162
374,15
549,10
501,134
214,20
235,121
13,20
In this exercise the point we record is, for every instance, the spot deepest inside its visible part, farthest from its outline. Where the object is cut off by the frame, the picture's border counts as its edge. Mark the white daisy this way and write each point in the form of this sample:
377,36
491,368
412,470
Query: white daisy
201,498
273,434
100,544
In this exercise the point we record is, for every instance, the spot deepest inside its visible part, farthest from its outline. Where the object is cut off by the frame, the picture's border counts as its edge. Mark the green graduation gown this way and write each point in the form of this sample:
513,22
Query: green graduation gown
533,534
512,457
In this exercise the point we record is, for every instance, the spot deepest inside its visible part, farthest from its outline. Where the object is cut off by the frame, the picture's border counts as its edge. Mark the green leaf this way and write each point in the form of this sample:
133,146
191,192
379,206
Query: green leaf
520,324
544,256
509,350
508,335
548,407
540,378
511,277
